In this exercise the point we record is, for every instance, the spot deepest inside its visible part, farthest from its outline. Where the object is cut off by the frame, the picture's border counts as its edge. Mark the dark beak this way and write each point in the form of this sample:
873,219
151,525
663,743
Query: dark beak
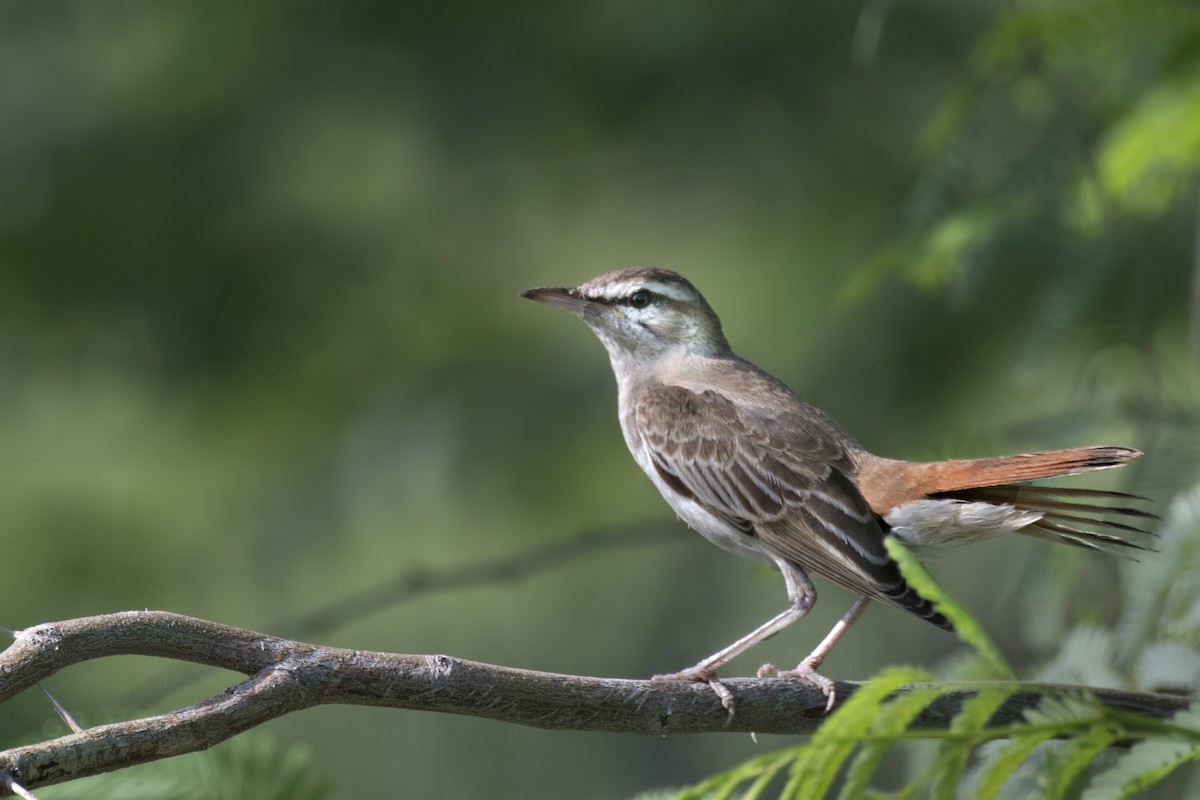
555,296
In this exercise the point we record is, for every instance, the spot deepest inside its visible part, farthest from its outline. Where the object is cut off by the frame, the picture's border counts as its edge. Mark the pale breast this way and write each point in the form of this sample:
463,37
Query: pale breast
709,525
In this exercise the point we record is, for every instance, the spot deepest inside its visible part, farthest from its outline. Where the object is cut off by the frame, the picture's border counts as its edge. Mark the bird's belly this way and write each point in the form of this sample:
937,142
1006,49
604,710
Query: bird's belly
717,530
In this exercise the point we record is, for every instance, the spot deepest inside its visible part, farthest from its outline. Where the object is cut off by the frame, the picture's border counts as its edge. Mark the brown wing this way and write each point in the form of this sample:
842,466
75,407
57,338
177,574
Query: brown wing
779,478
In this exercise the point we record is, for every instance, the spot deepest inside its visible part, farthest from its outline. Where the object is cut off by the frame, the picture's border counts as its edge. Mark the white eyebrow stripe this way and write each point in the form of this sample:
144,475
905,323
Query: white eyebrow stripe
621,290
675,291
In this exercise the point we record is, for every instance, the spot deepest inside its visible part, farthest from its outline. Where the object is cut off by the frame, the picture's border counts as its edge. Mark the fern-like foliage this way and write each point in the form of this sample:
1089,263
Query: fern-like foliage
1157,637
842,757
1073,140
1069,745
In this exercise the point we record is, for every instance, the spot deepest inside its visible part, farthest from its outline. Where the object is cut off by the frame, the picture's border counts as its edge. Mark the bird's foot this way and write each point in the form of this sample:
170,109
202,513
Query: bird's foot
806,670
709,676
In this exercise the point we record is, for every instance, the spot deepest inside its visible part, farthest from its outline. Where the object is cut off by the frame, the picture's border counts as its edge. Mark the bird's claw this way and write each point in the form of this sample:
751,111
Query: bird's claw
704,676
805,671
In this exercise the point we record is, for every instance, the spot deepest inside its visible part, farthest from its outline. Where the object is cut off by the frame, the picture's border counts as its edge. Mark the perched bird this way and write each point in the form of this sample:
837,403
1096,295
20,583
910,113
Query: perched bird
763,474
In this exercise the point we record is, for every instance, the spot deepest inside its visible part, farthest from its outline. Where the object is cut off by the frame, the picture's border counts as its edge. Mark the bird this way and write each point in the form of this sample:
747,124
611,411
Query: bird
761,473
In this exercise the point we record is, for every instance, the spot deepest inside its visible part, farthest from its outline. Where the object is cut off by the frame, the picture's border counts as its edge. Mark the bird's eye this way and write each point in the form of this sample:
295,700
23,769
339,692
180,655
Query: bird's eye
640,299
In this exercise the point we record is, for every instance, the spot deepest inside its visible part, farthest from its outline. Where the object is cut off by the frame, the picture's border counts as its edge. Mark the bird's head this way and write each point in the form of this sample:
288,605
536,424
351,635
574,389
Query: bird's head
641,314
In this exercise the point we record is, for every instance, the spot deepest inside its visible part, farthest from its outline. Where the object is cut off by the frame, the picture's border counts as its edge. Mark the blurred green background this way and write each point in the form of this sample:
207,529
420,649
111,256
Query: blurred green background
261,344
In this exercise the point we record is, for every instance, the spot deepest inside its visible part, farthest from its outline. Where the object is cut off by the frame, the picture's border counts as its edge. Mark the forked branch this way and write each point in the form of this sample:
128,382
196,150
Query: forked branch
285,676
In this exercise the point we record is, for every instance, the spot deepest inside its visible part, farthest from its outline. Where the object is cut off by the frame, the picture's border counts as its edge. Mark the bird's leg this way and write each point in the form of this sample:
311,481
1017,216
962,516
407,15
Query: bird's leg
807,669
802,595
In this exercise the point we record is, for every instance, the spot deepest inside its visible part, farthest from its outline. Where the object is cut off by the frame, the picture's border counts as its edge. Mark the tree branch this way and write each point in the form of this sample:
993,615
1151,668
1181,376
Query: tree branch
286,676
411,584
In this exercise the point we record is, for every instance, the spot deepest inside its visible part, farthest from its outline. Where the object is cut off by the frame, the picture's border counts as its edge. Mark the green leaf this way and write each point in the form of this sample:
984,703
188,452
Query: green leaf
1084,657
1076,755
1071,708
968,629
891,722
964,730
1144,765
760,770
1188,720
1006,760
818,764
1150,156
1168,665
762,781
945,250
1056,715
1147,607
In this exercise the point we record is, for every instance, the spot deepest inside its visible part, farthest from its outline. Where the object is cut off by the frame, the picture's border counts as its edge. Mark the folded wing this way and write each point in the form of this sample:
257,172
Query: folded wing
784,482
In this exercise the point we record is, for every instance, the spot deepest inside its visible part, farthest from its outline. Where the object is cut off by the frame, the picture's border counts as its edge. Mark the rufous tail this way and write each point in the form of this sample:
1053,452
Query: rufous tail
948,476
1080,517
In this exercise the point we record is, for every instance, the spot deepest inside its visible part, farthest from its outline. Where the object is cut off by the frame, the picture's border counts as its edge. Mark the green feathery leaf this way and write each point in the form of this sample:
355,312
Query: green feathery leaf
760,770
1144,765
963,736
968,629
891,722
768,774
818,764
1076,755
1006,760
1162,578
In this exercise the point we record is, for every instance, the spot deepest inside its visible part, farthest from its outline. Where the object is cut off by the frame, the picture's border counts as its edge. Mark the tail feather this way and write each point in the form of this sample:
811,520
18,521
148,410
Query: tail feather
899,491
980,472
1067,519
1090,540
1099,522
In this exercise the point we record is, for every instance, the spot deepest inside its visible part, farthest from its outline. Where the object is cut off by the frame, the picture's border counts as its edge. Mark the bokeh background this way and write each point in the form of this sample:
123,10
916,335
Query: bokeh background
261,345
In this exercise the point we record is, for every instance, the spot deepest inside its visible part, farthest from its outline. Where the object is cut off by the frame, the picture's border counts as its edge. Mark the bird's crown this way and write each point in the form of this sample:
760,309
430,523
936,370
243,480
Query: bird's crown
621,284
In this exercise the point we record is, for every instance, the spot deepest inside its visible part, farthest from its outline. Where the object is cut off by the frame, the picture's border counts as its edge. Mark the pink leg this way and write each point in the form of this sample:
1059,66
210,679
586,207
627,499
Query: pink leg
802,595
806,670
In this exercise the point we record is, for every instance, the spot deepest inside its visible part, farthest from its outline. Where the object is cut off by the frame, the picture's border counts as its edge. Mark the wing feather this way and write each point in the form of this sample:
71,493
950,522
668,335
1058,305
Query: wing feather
785,482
